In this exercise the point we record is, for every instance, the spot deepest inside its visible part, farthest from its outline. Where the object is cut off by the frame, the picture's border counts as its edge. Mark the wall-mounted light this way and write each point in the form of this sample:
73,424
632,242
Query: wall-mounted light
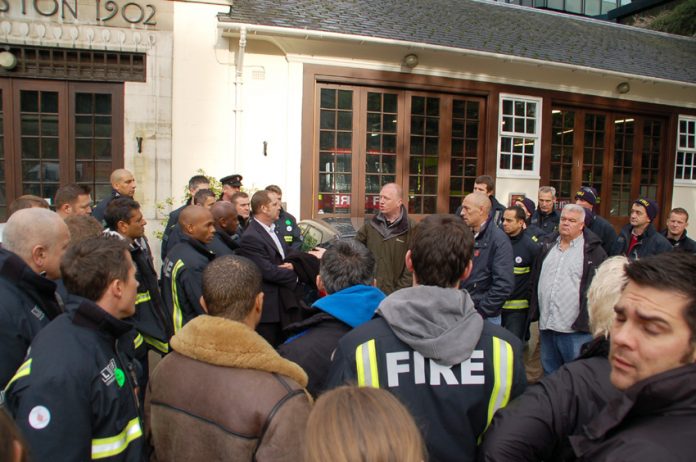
7,60
410,60
623,88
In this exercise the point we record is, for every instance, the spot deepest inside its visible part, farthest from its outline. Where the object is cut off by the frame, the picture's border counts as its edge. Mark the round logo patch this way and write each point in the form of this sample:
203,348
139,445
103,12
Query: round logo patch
518,259
289,228
39,417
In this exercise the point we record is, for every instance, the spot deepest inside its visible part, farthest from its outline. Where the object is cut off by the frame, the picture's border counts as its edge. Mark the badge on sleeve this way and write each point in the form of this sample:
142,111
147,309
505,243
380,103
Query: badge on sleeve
39,417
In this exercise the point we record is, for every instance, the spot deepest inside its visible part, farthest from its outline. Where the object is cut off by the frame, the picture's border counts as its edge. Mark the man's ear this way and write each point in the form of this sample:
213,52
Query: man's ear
203,304
320,284
258,303
65,208
121,227
408,261
38,256
467,271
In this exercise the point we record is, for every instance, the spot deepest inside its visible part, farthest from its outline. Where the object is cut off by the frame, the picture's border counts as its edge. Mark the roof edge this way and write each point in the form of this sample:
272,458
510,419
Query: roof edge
307,33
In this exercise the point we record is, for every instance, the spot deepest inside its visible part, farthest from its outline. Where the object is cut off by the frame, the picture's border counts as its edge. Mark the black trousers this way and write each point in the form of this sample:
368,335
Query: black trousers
516,322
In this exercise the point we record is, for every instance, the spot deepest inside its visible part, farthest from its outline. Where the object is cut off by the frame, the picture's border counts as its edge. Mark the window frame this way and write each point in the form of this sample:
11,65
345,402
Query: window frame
511,172
685,149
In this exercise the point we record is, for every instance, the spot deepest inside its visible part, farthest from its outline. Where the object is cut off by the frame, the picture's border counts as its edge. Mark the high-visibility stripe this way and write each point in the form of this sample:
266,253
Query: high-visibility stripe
502,370
23,371
142,297
137,341
177,315
366,364
162,347
522,269
516,305
110,446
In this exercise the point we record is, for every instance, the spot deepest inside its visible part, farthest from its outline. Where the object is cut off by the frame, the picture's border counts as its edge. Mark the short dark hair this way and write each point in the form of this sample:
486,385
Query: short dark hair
197,180
680,211
26,201
346,264
201,195
237,195
258,200
669,271
69,193
230,286
274,189
89,266
441,248
519,212
487,180
83,227
119,209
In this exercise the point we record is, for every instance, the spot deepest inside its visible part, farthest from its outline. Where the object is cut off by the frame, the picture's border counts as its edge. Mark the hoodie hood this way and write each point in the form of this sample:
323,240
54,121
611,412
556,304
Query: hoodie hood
354,305
438,323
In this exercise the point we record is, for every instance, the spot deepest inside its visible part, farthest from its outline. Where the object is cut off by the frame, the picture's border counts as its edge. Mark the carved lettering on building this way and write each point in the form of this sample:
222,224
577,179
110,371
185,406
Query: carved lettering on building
101,11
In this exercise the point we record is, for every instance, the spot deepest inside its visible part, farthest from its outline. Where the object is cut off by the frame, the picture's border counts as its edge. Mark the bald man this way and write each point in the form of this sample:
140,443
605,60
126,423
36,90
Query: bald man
492,278
182,270
34,241
388,235
225,240
122,184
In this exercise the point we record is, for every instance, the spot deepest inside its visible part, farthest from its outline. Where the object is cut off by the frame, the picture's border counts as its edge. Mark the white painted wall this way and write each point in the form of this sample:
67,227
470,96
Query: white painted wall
685,197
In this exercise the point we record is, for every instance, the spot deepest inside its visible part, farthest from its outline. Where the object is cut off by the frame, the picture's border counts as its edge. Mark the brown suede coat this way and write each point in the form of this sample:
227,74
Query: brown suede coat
225,394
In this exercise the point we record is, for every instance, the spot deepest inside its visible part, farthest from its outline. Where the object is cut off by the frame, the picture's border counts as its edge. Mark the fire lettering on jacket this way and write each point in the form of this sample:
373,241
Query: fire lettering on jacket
413,364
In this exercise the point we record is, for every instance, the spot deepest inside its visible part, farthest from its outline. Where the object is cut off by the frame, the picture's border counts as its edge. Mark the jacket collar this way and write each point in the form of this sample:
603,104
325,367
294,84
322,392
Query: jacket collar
222,342
198,246
88,314
396,228
671,392
15,270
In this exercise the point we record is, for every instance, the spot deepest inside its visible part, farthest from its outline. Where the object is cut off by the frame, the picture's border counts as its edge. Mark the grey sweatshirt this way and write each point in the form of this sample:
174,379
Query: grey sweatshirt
438,323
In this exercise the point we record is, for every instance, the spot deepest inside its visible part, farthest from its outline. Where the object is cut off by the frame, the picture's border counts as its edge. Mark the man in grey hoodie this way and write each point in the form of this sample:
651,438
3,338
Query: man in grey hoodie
431,349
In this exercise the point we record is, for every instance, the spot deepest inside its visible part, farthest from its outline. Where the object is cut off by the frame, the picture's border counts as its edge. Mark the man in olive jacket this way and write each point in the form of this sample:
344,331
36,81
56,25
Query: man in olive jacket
388,235
224,392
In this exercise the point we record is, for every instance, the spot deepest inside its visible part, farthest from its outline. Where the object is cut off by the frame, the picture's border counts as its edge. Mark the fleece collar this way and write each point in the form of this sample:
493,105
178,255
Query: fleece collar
227,343
354,306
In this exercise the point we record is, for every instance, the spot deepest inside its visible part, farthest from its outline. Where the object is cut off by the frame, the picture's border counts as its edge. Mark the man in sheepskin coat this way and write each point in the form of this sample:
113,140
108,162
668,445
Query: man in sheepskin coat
224,392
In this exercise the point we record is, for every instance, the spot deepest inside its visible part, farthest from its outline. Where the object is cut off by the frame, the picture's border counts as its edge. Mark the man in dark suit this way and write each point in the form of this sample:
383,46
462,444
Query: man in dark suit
262,245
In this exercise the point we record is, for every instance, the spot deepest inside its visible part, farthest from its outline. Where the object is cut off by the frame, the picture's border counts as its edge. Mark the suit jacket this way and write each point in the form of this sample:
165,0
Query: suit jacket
258,246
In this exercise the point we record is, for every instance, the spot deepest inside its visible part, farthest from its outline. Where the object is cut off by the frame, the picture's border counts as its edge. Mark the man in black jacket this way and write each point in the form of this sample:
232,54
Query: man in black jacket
225,240
653,361
347,275
639,238
546,217
587,198
432,350
492,278
196,183
122,184
124,218
182,270
676,231
286,224
34,241
560,279
486,184
75,396
525,249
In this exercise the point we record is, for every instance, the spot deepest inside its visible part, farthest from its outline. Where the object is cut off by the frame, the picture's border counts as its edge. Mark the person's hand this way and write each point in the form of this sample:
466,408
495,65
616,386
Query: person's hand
287,266
317,252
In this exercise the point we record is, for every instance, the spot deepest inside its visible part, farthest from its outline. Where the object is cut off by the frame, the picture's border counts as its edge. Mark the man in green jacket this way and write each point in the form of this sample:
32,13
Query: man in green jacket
388,235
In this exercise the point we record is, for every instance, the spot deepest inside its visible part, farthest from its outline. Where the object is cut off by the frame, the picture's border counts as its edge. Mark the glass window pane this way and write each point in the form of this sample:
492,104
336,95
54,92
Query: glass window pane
30,148
102,149
328,98
49,102
83,103
345,120
102,103
102,126
374,102
49,148
29,101
390,103
83,126
327,120
389,143
30,124
49,125
345,99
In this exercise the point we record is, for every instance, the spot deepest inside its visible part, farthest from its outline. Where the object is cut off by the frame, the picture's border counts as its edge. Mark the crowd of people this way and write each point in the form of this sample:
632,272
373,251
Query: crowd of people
411,342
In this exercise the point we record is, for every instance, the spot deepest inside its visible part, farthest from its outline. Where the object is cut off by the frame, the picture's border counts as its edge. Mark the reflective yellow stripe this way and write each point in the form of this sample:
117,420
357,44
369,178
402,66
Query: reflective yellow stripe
177,314
288,239
522,269
137,341
143,297
502,370
23,371
107,447
366,364
516,305
162,347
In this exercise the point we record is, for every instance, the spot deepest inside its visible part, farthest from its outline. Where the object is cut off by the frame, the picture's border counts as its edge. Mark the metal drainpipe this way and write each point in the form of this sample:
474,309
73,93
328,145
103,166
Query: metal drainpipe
238,94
